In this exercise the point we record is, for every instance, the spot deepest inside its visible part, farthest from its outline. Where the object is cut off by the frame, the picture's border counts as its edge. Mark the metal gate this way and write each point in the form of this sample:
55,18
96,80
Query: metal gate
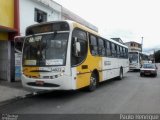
4,61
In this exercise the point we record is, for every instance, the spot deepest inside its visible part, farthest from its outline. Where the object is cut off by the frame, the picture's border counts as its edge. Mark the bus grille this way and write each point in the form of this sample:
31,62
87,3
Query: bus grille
44,85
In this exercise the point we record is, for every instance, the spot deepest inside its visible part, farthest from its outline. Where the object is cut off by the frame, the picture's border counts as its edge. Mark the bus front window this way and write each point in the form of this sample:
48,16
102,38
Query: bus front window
45,50
133,57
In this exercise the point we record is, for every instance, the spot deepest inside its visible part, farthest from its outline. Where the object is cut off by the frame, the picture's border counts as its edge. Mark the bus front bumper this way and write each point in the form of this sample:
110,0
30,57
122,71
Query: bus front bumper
35,85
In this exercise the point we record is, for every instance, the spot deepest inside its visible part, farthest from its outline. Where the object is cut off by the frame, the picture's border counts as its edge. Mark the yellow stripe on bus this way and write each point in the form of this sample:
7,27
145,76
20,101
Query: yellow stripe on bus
27,71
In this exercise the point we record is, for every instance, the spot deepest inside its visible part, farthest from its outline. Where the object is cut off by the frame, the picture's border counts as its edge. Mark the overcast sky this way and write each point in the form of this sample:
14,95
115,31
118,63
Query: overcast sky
128,19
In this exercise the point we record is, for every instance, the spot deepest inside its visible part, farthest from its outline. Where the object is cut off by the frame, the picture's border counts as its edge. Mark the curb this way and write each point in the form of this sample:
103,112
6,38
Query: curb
12,100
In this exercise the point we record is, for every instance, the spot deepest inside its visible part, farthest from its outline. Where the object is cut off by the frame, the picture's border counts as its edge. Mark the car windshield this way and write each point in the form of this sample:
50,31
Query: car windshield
148,66
45,50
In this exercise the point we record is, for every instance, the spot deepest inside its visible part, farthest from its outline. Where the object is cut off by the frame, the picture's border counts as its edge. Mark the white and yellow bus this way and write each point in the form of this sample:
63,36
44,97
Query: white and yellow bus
65,55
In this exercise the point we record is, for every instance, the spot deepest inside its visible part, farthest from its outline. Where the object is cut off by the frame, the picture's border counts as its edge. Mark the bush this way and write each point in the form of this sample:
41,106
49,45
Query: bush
157,56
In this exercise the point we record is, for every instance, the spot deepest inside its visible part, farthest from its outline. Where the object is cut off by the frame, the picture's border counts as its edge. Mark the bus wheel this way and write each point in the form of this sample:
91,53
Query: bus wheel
93,82
120,77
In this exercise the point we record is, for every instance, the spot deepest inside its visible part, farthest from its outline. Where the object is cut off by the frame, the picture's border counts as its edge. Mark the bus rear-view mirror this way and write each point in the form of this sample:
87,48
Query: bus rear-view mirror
77,47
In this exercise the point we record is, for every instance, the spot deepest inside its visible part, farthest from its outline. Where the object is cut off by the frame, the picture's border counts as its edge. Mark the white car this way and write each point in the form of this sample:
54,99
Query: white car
148,69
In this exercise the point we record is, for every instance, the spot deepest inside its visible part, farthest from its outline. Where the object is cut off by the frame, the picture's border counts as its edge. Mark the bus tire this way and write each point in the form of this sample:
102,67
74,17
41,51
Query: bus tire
120,77
93,82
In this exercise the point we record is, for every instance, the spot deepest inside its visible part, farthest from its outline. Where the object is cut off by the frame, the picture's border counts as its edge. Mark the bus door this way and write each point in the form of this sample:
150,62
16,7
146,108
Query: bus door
18,44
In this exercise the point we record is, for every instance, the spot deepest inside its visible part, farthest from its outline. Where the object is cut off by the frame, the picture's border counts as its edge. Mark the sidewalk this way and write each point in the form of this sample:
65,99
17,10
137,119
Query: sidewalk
11,91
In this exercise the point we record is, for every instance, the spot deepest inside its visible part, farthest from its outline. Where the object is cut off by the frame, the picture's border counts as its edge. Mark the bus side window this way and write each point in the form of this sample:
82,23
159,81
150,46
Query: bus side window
113,50
101,48
81,38
93,45
126,53
108,48
118,51
121,52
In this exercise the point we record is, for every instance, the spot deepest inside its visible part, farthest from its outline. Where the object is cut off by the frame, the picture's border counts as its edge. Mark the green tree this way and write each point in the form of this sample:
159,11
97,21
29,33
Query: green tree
157,56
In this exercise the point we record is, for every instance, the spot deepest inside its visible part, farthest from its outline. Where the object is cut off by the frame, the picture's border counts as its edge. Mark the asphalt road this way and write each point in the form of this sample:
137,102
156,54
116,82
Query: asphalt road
133,94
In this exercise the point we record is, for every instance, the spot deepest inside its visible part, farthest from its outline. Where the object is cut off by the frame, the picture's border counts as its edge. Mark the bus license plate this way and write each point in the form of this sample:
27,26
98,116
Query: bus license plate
40,83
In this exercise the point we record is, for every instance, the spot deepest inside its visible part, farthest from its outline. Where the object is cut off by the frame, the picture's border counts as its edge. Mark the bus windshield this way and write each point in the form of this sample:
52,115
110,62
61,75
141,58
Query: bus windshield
45,50
133,57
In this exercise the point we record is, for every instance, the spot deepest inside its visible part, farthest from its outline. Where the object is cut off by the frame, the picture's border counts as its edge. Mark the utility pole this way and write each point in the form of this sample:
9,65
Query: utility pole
142,45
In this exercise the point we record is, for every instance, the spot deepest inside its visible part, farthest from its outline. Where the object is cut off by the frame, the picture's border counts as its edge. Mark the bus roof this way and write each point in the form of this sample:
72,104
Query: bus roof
95,33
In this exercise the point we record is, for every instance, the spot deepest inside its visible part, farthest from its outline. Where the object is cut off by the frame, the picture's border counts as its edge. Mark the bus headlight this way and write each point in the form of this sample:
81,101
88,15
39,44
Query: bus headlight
56,76
61,74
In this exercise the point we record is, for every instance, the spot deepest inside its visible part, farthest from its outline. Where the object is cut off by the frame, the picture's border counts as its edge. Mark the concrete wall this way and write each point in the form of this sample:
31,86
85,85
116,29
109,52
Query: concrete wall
27,11
4,61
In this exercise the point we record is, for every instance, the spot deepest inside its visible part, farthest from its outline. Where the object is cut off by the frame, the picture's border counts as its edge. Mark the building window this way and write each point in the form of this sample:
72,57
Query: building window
40,16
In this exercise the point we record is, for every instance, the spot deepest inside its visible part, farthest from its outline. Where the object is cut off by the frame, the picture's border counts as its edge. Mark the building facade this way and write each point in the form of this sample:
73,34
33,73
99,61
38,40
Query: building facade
17,16
134,46
69,15
37,11
118,40
9,28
